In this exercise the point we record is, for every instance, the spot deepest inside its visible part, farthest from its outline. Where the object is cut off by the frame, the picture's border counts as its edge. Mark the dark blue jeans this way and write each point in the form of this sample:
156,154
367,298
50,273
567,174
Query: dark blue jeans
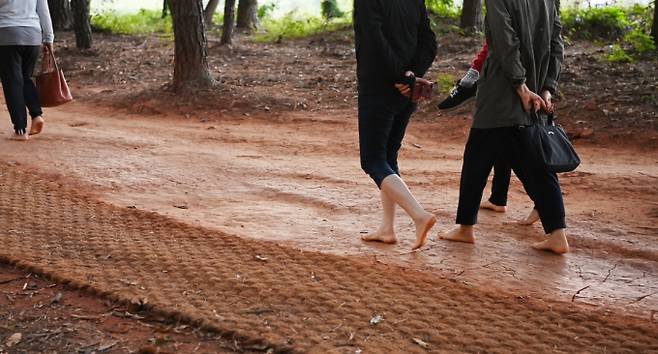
383,120
16,68
487,146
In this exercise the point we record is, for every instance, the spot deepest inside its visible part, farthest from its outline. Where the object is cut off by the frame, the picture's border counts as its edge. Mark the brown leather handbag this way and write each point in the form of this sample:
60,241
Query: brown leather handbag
51,85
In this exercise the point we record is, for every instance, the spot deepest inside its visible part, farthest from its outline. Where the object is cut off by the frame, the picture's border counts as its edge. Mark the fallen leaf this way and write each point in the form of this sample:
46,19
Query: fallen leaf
14,339
261,258
421,343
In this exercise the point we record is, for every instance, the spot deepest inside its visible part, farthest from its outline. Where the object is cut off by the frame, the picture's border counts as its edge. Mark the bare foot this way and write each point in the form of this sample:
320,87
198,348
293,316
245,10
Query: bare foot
491,206
37,125
383,236
532,218
423,228
464,233
556,243
19,137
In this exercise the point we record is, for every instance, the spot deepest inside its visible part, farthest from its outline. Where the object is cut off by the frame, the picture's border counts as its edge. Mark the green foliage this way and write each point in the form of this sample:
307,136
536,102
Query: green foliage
443,9
640,42
266,10
330,10
143,22
595,22
618,55
627,28
293,26
445,82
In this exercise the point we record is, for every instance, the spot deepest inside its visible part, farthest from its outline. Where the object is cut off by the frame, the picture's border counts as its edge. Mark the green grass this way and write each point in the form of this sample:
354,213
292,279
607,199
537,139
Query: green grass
293,26
445,83
143,22
618,55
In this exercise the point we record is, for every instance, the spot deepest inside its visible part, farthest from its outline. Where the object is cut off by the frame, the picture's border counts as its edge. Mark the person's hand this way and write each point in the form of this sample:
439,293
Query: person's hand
48,47
405,90
424,82
531,101
548,101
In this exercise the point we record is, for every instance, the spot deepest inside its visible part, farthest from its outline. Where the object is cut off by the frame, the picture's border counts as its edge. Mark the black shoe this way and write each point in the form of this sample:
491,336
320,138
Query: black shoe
458,96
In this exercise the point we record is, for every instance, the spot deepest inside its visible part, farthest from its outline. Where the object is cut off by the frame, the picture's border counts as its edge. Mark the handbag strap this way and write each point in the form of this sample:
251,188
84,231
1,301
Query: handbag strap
550,118
48,62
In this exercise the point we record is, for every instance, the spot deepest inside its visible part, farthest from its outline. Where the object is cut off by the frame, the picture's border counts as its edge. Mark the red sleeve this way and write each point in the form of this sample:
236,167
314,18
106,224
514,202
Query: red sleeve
478,61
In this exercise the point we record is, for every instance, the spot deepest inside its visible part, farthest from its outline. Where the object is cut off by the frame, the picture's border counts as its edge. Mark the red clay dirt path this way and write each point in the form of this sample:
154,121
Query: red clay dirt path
296,181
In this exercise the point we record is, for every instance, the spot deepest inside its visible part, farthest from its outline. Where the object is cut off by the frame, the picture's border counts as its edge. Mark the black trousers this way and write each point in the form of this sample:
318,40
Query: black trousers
483,149
16,68
383,121
500,183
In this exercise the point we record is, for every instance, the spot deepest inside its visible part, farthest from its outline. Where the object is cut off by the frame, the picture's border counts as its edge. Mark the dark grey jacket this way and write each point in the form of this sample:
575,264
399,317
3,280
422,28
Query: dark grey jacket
391,37
525,45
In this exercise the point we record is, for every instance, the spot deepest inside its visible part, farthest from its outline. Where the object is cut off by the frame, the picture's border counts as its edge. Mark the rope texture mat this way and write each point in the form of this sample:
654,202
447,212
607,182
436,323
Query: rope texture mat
277,297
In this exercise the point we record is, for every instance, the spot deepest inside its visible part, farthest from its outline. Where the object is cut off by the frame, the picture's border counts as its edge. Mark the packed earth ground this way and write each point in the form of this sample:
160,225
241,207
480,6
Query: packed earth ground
271,154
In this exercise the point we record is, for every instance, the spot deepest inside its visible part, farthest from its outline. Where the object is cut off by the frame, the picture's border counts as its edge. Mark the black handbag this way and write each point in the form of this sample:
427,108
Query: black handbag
549,146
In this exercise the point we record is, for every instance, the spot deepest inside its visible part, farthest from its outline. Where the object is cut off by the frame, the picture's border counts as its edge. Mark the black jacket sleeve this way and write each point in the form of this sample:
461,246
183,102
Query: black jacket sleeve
504,43
557,54
369,22
426,47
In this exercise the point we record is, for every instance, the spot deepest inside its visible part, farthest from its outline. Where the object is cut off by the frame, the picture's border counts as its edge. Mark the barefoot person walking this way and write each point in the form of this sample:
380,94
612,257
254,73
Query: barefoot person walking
394,47
525,58
25,27
464,91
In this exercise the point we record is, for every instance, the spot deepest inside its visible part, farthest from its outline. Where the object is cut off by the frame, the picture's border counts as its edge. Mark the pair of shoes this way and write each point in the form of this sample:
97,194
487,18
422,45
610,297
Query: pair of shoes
458,96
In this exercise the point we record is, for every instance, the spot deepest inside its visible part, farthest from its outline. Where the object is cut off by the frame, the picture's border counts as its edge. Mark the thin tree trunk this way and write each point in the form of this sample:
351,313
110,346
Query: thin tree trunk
166,6
210,10
247,15
60,14
191,46
81,23
654,30
471,17
229,22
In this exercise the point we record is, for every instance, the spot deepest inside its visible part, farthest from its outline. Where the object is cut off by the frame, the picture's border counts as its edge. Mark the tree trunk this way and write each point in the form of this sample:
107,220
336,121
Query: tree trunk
229,22
165,8
191,46
248,15
654,30
81,23
60,14
471,18
210,10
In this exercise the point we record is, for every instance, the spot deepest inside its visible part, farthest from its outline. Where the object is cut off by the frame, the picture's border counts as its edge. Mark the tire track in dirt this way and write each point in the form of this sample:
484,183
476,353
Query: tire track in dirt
279,296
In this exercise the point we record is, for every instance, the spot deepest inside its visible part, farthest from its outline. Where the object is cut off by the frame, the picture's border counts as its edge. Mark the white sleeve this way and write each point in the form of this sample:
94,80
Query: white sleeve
46,23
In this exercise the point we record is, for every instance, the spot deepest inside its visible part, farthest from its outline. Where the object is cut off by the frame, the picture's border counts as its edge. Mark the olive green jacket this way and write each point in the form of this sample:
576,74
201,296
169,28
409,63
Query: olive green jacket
525,46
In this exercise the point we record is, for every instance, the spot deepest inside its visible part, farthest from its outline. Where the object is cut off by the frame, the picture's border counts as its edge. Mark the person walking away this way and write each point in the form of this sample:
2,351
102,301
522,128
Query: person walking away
525,58
25,27
464,91
395,46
